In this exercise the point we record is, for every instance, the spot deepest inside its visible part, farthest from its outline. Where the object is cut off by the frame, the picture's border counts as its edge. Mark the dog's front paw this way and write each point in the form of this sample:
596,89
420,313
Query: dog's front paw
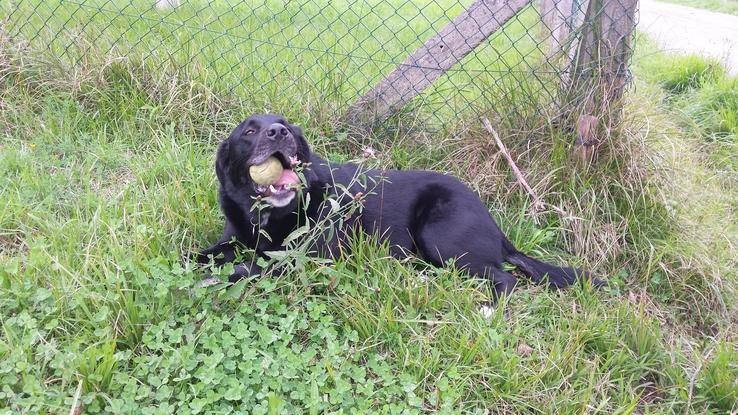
244,270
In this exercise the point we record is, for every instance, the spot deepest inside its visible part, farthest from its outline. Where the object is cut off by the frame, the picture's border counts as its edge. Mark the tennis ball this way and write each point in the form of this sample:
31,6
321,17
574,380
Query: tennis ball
267,172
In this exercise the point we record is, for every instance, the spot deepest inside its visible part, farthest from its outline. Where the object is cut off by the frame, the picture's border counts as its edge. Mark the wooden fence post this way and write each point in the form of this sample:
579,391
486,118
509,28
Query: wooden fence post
430,61
556,16
562,23
599,71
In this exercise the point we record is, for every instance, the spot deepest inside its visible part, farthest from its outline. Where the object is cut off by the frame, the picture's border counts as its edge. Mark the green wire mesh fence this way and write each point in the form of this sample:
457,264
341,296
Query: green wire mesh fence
322,59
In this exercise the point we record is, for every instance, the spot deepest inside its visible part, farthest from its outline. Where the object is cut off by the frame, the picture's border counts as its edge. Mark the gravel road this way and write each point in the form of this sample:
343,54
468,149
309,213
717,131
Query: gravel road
686,29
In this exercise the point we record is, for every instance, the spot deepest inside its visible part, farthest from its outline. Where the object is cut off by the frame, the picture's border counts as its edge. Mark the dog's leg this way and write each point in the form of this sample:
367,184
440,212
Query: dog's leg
243,270
223,251
478,253
503,282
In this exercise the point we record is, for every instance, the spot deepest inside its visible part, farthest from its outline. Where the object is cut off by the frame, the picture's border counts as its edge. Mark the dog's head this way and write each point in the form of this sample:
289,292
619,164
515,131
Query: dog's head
252,142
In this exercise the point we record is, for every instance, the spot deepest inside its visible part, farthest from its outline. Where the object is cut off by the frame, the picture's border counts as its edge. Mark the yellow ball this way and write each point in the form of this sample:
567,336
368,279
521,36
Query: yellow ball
267,172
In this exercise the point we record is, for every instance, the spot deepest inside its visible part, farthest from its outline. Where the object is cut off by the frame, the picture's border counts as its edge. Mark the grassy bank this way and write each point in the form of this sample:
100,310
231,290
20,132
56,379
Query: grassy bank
107,184
722,6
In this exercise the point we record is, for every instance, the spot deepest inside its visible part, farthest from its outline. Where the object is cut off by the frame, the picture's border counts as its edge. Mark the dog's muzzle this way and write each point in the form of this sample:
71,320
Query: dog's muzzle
277,140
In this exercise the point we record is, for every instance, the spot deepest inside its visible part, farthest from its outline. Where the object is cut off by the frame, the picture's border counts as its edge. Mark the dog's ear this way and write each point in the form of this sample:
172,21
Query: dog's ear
221,160
223,155
303,149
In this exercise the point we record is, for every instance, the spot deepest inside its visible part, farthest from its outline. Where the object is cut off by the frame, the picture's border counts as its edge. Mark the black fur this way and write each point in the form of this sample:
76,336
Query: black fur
424,213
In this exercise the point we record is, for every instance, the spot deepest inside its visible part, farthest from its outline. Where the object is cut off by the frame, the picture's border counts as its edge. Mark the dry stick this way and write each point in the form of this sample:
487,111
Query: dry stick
692,380
74,410
537,202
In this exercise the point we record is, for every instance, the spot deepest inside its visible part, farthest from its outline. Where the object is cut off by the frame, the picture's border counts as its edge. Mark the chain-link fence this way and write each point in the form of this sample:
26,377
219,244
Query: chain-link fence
353,61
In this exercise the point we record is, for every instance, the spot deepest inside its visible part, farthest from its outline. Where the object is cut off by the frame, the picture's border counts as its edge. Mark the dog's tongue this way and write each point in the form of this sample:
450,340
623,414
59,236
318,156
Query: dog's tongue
288,177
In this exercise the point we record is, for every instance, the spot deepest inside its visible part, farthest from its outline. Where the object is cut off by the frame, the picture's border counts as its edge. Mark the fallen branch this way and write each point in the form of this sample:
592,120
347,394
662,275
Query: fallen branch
77,407
538,203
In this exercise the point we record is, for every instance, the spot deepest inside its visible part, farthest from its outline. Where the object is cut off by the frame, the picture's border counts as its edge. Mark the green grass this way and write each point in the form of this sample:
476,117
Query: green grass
706,97
681,73
701,140
715,109
107,183
722,6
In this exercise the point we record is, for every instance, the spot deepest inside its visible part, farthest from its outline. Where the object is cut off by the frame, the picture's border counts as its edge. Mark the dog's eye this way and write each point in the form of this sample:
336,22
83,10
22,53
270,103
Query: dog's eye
249,132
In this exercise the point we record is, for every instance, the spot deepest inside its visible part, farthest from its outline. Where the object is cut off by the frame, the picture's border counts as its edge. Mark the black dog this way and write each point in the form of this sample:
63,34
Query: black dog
425,213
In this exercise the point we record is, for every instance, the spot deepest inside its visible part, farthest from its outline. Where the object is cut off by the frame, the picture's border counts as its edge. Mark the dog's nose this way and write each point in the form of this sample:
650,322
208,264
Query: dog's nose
277,130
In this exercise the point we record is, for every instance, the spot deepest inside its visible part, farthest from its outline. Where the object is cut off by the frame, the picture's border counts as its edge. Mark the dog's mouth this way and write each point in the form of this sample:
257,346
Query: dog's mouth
287,183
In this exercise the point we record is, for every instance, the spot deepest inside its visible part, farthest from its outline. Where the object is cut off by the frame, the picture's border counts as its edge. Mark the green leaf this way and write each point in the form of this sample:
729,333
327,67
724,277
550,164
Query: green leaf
335,206
274,403
297,233
236,290
277,255
101,314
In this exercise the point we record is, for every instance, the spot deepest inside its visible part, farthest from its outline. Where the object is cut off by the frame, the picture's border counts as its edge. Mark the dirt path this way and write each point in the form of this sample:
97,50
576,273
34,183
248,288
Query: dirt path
686,29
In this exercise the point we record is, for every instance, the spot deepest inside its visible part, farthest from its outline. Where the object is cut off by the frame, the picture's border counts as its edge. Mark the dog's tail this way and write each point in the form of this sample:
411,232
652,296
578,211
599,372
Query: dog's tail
539,271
